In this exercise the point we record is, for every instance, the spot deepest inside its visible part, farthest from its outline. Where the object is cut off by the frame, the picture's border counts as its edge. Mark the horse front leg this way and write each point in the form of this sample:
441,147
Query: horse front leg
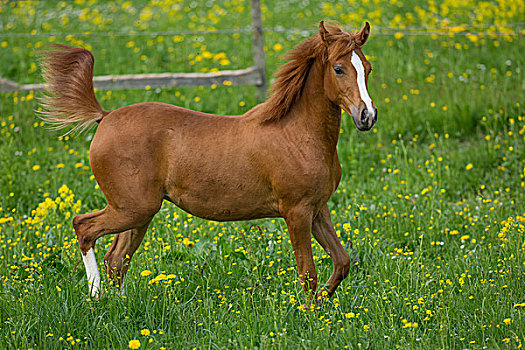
299,222
324,233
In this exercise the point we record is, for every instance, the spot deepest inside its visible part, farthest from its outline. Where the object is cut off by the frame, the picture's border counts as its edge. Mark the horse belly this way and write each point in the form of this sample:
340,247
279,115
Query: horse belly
226,198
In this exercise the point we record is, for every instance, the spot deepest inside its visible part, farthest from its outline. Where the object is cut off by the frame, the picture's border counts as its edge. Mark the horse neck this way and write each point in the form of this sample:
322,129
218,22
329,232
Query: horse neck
320,116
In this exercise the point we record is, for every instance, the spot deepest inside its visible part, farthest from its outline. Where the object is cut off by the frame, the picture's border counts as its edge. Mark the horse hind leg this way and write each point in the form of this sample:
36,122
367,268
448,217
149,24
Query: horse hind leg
90,227
88,256
131,183
119,254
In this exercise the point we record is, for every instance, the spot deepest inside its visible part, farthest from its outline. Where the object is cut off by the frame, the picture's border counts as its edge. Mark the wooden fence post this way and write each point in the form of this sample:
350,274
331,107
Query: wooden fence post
258,49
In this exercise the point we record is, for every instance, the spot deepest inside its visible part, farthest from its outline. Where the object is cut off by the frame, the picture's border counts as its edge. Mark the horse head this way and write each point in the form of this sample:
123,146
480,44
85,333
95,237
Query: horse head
346,74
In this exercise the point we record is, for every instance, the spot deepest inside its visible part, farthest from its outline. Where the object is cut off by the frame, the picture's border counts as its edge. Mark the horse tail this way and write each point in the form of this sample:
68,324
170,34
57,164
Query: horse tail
70,97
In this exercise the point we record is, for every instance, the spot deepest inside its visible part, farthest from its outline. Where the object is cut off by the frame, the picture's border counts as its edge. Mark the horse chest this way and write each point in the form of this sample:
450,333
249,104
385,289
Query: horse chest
311,174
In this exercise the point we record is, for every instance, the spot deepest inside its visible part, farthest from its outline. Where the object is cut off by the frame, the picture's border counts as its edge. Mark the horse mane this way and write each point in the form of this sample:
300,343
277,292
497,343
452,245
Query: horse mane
291,76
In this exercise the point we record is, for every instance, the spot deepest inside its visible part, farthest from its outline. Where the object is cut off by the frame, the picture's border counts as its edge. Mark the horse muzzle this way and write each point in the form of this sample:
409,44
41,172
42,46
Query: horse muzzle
364,119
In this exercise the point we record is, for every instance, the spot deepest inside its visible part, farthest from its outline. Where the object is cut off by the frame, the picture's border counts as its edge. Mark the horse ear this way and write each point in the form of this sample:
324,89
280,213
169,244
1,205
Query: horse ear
362,35
323,33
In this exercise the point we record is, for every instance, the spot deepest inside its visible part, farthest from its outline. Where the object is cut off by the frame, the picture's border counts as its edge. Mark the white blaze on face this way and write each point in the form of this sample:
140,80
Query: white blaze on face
358,65
93,276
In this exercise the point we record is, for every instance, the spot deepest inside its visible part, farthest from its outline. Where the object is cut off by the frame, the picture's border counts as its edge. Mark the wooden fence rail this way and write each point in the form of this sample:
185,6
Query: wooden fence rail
255,75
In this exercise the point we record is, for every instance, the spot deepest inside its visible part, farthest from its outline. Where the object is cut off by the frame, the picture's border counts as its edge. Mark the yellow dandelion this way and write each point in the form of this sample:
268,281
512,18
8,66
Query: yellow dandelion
469,166
187,242
145,332
134,344
145,273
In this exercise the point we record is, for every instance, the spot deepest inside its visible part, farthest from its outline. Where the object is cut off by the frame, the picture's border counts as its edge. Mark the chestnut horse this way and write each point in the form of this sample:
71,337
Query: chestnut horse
277,160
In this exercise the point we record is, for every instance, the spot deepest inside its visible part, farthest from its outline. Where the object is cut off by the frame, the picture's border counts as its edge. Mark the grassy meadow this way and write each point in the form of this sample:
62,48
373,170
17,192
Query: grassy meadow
433,198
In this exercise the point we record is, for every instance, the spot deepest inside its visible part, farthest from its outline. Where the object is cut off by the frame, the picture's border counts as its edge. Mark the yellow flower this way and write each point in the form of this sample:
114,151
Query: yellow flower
277,47
145,273
350,315
145,331
398,35
35,167
134,344
187,242
161,277
469,166
219,56
507,321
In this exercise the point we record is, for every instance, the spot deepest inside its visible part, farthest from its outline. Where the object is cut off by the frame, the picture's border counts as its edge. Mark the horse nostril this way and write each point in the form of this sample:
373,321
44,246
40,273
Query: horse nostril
364,115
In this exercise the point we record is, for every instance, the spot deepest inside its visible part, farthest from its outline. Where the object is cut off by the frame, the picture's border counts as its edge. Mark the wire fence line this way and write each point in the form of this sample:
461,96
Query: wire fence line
255,75
252,75
410,30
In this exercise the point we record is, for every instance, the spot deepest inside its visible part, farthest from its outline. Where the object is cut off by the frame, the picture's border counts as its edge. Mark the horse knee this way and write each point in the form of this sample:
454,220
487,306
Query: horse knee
77,223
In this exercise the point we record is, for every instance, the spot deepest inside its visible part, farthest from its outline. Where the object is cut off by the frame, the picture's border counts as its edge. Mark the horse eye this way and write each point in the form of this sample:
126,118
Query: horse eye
338,70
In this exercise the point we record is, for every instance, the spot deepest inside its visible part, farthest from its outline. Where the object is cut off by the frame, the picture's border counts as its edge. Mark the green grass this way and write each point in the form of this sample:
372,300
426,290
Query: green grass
432,199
